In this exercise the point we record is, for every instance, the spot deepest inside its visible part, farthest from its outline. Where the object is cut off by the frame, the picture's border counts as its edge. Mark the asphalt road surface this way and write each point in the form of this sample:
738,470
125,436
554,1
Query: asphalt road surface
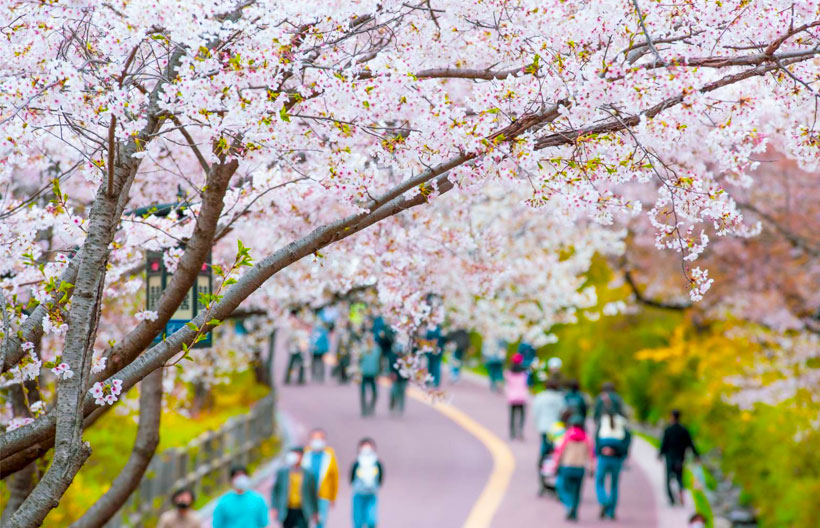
450,465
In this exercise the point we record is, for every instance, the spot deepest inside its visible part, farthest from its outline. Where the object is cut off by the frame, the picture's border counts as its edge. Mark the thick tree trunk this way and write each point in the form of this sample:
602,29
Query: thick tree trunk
144,447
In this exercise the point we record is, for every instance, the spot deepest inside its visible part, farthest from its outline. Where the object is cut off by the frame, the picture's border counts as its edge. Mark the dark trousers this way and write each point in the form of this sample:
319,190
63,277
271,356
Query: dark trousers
517,420
341,368
368,403
295,519
495,371
434,367
295,361
317,368
546,445
674,471
397,394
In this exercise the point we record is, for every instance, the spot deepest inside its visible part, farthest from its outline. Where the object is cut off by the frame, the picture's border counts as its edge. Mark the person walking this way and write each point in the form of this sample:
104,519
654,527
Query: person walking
346,340
294,497
319,346
607,401
367,478
674,445
181,516
384,335
461,343
572,456
517,392
296,343
241,507
320,461
547,407
612,447
398,388
554,373
575,400
434,342
494,352
528,352
370,367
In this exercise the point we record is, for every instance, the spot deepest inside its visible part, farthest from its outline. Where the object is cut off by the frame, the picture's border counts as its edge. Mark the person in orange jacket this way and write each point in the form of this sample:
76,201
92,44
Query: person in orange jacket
320,460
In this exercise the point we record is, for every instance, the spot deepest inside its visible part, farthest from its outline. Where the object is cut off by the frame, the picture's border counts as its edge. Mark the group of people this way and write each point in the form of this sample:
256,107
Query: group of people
569,449
304,490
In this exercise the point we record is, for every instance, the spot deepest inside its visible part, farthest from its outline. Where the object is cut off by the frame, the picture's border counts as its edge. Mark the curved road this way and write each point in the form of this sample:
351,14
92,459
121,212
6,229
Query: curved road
436,469
449,465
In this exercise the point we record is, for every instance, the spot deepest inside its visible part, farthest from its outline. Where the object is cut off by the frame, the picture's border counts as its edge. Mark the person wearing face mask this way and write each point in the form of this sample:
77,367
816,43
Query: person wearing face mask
241,507
320,461
181,516
294,496
367,477
697,521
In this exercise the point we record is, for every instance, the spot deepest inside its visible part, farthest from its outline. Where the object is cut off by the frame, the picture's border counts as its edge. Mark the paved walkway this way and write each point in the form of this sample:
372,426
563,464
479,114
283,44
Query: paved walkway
449,466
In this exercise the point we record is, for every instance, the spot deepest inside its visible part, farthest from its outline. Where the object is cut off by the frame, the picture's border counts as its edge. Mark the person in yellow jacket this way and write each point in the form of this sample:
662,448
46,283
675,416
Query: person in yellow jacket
320,460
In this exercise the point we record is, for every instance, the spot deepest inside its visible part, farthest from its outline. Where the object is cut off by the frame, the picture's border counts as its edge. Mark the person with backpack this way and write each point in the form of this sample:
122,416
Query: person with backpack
517,391
612,447
674,445
319,346
574,454
367,478
575,400
608,400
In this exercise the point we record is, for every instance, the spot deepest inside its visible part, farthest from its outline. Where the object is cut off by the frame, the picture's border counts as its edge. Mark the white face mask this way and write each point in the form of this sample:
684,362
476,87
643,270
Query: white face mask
317,444
291,459
698,524
241,482
367,454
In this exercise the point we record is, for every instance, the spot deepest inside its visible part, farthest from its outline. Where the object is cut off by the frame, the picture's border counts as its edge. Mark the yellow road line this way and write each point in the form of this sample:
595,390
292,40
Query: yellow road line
483,511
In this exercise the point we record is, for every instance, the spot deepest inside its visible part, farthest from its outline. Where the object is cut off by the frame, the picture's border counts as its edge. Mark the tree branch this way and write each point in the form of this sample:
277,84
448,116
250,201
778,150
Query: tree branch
641,298
569,137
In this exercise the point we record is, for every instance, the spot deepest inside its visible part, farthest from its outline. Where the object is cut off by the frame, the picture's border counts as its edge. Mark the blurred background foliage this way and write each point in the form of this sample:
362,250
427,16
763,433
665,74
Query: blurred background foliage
663,359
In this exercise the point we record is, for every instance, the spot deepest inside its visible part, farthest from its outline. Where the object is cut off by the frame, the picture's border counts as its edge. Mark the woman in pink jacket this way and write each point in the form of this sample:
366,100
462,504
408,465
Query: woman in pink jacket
574,454
517,391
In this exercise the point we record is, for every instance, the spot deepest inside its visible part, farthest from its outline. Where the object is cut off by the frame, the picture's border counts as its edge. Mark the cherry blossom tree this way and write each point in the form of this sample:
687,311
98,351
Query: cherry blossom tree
277,133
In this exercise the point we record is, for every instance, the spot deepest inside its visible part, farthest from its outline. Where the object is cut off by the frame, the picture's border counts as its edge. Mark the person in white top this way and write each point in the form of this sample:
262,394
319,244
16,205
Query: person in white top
547,407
